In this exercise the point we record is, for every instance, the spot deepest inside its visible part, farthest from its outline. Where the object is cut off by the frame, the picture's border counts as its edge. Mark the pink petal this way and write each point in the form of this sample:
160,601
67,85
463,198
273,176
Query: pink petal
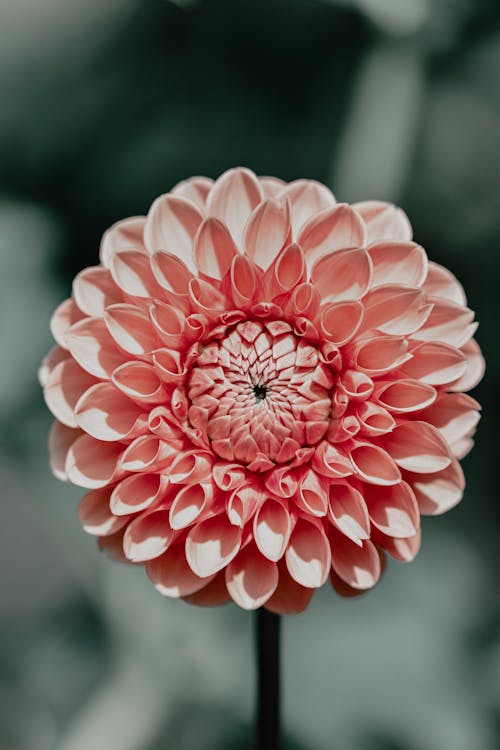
418,447
342,275
439,492
147,453
170,366
474,369
91,463
188,505
61,438
131,271
49,363
307,198
339,322
195,189
447,322
373,419
396,310
171,274
272,528
435,364
308,557
228,476
107,414
131,329
455,415
348,512
214,249
206,298
137,492
94,289
251,579
374,465
93,348
282,482
148,536
358,566
290,597
289,269
65,316
171,226
441,283
405,396
404,550
329,462
211,545
305,300
112,546
168,322
267,232
335,228
191,467
232,199
95,515
172,576
124,235
384,221
393,510
243,503
398,263
140,382
312,494
213,594
243,282
271,186
382,354
65,384
357,385
162,423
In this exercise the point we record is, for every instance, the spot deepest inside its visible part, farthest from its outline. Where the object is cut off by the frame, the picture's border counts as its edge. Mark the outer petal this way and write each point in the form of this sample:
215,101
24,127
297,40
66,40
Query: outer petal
65,316
214,249
396,310
358,566
91,463
61,438
95,515
172,576
342,275
307,198
148,536
418,447
405,396
384,221
251,579
447,322
94,289
131,272
211,545
65,384
171,226
437,493
348,512
106,414
136,493
435,364
336,228
267,232
374,465
339,322
124,235
441,283
93,348
232,199
474,369
290,597
455,415
398,263
131,329
308,556
195,189
189,504
272,528
393,510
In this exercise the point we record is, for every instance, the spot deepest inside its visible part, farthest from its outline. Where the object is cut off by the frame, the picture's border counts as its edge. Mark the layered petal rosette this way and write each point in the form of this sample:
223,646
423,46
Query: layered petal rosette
262,389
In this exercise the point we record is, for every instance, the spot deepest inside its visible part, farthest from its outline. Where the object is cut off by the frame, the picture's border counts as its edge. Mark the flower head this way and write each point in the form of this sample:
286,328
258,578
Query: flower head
262,388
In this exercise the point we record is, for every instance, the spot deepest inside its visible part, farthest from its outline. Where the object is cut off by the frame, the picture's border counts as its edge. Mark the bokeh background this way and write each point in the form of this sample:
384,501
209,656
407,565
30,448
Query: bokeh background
104,105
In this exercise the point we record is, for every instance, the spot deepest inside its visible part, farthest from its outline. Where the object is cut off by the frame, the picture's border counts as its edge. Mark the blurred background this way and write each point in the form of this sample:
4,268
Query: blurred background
104,106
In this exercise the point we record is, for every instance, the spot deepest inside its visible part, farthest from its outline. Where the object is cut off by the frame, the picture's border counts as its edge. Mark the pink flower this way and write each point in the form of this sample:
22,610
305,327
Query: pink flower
262,389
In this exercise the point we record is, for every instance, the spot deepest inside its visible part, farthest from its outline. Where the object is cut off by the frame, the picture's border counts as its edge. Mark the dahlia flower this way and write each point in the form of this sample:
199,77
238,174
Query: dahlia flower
262,389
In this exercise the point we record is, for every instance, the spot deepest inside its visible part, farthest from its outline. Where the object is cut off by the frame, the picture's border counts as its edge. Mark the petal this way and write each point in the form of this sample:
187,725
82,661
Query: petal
374,465
448,322
435,364
272,528
290,597
373,420
242,504
335,228
171,273
65,316
188,505
206,298
94,289
148,536
191,467
405,396
342,275
112,546
382,354
61,438
404,550
357,385
398,263
289,269
172,576
393,510
168,322
439,492
56,355
140,382
65,384
147,453
251,579
474,369
124,235
271,186
358,566
228,476
93,348
312,494
131,329
171,226
348,512
330,462
243,281
441,283
195,189
396,310
137,492
282,481
418,447
95,515
232,199
211,545
339,322
131,272
107,414
267,232
213,594
455,415
91,463
384,221
307,198
308,557
214,249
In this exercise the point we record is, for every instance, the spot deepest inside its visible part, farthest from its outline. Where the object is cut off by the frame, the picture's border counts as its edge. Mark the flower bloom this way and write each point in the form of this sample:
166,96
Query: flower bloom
261,389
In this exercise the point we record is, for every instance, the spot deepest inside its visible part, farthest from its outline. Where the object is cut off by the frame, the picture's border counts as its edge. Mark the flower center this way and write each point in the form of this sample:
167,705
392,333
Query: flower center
260,394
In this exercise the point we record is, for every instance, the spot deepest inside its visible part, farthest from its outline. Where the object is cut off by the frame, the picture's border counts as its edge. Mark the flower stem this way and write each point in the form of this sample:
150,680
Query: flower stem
268,730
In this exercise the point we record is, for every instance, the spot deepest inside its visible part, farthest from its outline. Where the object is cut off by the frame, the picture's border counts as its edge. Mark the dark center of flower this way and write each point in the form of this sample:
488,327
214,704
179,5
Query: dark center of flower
260,392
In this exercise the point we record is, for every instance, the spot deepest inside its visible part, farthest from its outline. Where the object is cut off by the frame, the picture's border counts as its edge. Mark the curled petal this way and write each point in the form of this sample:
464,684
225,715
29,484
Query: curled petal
435,364
107,414
398,263
124,235
290,597
131,271
339,322
374,465
382,354
191,467
168,322
267,232
393,510
171,274
92,346
171,225
442,284
373,419
359,566
439,492
308,557
213,249
95,515
195,189
272,528
396,310
405,396
162,423
206,298
94,289
447,322
136,493
172,576
474,368
330,462
384,221
169,365
418,447
147,453
140,382
64,317
282,482
251,579
212,544
289,269
228,476
65,385
131,329
148,536
91,463
243,281
61,438
333,229
357,385
404,550
342,275
347,511
243,503
232,199
305,300
189,504
455,415
312,494
307,198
